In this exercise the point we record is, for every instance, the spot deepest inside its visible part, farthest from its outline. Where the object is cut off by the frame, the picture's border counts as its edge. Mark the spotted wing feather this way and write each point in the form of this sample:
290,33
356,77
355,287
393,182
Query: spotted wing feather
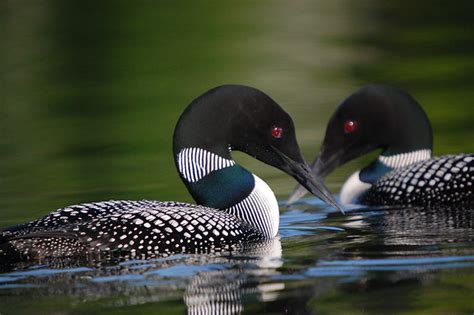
133,228
444,180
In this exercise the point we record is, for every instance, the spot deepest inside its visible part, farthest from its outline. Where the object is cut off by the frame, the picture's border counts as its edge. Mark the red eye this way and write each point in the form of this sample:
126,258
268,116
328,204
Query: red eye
350,126
277,132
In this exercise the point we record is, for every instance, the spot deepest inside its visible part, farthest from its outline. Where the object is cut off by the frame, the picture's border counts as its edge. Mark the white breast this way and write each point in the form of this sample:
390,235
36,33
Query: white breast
260,209
353,189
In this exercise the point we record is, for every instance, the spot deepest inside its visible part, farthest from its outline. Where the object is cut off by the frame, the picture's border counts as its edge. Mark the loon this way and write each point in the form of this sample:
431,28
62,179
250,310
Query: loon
405,173
235,207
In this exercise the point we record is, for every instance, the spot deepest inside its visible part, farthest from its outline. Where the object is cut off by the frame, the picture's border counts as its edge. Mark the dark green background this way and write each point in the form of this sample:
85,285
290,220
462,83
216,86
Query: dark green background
90,90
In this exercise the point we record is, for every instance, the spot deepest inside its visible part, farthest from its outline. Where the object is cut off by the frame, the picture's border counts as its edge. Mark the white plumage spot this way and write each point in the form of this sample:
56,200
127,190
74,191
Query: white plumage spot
138,221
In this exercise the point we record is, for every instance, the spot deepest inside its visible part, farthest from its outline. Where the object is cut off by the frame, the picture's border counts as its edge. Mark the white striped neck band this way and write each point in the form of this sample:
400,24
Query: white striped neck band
404,159
195,163
260,209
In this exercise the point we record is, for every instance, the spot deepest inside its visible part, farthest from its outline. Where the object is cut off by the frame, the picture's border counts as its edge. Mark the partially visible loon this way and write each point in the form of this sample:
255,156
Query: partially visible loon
405,173
235,207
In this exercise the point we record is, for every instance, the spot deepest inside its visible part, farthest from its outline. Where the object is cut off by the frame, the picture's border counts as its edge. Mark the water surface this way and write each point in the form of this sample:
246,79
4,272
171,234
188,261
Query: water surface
90,92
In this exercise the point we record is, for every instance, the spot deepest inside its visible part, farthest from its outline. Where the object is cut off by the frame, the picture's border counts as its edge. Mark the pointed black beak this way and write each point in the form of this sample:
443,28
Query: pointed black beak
301,171
320,168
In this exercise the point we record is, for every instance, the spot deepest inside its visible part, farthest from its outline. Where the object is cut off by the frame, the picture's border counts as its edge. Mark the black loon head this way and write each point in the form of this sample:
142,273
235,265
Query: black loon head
235,117
374,117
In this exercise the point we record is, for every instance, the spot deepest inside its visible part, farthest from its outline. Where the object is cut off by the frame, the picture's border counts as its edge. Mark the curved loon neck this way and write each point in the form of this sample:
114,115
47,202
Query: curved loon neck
218,182
388,161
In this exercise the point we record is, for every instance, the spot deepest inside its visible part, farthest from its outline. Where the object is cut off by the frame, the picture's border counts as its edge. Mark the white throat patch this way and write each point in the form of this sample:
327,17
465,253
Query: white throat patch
195,163
404,159
353,189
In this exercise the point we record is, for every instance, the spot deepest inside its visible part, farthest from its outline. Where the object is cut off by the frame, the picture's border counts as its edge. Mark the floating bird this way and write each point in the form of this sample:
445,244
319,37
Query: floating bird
405,173
235,207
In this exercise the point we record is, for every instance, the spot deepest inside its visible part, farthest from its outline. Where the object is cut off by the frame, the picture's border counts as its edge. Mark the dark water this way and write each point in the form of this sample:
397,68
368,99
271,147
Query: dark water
90,92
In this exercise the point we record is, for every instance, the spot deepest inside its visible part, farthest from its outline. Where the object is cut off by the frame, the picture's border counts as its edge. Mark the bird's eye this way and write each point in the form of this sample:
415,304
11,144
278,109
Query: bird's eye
277,132
350,126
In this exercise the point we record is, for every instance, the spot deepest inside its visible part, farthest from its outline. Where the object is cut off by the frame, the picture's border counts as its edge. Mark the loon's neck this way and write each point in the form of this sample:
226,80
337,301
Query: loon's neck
403,159
218,182
361,181
387,162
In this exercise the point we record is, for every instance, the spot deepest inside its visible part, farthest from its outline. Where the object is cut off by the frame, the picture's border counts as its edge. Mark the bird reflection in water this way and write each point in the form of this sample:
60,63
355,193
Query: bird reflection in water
212,283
